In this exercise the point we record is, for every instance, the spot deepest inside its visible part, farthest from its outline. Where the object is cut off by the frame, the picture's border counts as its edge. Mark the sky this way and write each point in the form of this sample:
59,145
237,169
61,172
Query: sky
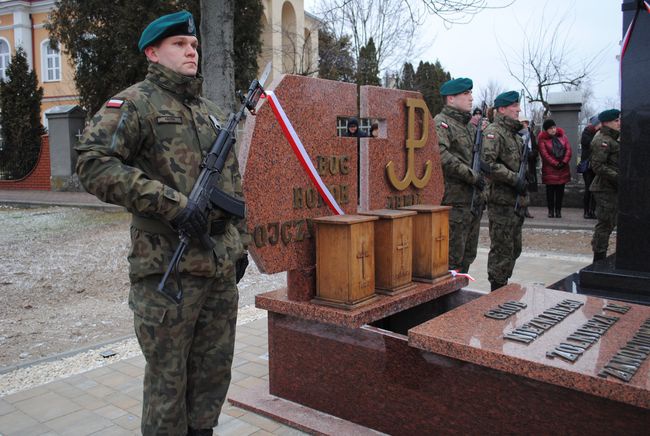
593,28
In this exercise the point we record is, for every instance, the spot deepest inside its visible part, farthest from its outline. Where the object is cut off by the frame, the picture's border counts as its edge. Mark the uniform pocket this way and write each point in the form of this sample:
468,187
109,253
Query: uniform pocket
146,303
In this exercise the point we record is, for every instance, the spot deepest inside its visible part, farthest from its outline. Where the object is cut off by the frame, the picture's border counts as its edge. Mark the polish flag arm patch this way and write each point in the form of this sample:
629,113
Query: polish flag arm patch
443,124
603,145
489,136
115,103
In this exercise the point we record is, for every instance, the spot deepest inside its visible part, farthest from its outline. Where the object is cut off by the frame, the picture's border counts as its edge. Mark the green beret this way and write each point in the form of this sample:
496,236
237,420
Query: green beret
456,86
178,23
506,99
608,115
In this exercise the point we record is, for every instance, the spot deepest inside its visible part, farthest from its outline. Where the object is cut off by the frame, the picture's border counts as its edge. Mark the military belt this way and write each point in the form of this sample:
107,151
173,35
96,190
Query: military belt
216,227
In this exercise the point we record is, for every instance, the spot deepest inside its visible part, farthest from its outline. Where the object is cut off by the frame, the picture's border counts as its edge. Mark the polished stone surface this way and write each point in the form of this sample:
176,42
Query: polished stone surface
615,282
633,240
466,334
378,308
273,176
376,192
372,377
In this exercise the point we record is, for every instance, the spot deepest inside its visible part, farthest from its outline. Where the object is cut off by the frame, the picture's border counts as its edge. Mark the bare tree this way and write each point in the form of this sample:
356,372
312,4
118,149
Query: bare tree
488,93
217,27
547,60
393,24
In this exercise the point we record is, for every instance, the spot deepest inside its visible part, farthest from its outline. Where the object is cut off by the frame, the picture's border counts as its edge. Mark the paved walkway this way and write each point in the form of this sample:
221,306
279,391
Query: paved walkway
107,400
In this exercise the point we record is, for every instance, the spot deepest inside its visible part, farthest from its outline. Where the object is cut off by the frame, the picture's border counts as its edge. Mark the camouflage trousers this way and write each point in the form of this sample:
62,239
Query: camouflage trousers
188,350
505,242
463,237
606,210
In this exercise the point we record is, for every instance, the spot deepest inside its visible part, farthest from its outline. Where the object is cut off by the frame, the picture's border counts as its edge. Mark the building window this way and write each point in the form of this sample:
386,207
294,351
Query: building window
51,62
5,58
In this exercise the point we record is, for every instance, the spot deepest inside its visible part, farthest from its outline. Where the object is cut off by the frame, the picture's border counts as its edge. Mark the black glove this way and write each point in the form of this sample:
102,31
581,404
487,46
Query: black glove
560,165
485,168
521,186
480,183
191,221
240,267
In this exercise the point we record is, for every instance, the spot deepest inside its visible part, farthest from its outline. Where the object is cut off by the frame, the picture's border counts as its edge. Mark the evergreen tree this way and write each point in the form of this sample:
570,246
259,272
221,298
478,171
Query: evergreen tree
335,57
407,77
428,79
102,37
20,103
368,66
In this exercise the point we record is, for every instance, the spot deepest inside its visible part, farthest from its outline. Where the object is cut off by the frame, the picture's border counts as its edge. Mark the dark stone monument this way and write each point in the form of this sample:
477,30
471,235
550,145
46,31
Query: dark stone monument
626,274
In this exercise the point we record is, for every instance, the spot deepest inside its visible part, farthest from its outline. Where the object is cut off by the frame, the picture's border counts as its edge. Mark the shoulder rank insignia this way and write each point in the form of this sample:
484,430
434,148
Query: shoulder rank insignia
115,103
443,124
604,145
489,136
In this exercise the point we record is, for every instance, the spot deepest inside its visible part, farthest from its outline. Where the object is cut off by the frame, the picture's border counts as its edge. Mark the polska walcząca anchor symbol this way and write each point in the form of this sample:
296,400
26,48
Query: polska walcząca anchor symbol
411,145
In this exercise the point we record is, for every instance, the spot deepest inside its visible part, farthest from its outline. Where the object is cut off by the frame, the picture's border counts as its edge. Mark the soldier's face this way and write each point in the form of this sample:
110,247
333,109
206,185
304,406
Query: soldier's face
178,53
462,101
511,111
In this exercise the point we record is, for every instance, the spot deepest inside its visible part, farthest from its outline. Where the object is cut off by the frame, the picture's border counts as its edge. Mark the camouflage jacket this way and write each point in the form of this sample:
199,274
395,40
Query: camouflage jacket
604,160
502,148
142,150
456,140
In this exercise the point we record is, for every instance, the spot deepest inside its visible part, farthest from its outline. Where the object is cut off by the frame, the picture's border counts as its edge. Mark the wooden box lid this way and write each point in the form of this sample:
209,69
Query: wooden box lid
425,208
344,219
389,214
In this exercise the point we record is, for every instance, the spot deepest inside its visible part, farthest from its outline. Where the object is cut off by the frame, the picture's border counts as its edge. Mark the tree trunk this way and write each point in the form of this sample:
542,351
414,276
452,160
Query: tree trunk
217,24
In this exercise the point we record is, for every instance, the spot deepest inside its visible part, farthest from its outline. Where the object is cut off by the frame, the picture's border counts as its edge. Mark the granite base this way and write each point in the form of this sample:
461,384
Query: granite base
606,276
370,376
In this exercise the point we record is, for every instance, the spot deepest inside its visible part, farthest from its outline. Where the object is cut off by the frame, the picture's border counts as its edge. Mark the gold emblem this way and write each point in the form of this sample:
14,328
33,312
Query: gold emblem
411,144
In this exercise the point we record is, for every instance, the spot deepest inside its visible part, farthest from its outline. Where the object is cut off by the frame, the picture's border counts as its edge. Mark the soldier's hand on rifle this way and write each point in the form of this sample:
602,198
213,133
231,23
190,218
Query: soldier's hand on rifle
240,267
191,221
485,168
480,182
521,186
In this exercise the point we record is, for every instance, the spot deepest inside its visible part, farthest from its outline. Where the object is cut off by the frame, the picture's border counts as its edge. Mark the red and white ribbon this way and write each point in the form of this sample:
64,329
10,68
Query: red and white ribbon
455,273
301,153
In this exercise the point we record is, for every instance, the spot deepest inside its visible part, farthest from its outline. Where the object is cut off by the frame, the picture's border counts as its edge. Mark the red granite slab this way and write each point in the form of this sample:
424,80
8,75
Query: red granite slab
381,307
272,173
376,191
372,377
466,334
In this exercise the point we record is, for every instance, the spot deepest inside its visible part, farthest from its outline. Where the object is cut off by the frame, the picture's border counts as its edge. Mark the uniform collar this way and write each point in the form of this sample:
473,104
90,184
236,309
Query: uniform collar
608,131
454,113
507,122
173,82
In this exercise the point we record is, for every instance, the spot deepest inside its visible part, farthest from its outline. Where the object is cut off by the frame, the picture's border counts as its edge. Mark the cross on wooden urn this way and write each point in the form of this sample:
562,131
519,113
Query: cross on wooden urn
345,260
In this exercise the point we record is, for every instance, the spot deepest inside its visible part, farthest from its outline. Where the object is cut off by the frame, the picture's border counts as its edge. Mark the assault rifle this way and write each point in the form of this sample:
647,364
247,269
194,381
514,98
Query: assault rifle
478,166
521,177
205,192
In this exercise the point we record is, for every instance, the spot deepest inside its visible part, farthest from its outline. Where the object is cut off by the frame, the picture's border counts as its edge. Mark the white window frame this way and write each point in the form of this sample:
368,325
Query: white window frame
5,59
56,60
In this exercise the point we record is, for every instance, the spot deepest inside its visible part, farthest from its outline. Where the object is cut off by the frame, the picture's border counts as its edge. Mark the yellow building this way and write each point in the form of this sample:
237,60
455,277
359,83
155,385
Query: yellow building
290,38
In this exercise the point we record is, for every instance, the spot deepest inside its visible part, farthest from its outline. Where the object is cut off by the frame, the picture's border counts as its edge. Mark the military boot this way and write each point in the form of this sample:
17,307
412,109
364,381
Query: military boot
494,286
599,256
199,432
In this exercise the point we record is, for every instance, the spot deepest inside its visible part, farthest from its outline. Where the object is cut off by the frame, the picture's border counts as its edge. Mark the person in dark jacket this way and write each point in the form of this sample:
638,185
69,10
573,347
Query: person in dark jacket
353,129
555,150
530,141
589,202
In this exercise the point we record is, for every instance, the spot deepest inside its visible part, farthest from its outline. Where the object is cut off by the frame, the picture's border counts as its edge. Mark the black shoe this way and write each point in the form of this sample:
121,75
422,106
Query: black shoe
551,215
528,215
585,215
494,286
591,216
600,256
199,432
558,214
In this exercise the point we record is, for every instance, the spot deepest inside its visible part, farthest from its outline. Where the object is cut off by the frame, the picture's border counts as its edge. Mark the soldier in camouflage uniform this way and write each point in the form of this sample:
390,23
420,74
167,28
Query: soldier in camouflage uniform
142,150
502,148
456,140
604,162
